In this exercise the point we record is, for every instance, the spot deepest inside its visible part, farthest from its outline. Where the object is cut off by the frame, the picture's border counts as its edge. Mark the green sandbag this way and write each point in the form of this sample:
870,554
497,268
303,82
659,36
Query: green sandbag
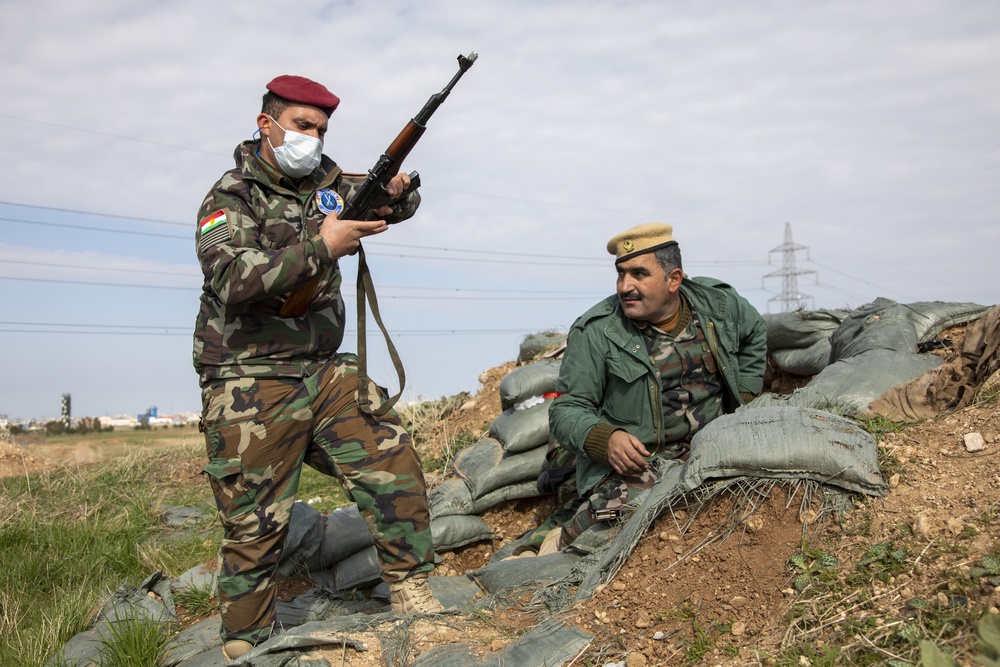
807,361
849,385
521,430
486,466
457,530
787,443
802,328
528,381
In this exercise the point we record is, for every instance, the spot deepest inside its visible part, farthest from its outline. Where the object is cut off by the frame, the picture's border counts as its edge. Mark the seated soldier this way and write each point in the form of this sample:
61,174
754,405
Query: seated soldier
643,371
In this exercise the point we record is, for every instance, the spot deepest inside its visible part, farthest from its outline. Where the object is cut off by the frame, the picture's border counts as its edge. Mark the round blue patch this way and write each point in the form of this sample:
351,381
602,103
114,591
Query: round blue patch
329,201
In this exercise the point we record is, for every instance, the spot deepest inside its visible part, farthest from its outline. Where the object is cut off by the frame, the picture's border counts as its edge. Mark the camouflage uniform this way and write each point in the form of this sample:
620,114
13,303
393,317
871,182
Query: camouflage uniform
659,387
277,394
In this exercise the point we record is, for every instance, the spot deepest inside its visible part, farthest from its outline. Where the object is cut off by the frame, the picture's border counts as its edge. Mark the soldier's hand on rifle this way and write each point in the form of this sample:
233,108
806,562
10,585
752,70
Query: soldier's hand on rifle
626,453
394,188
343,237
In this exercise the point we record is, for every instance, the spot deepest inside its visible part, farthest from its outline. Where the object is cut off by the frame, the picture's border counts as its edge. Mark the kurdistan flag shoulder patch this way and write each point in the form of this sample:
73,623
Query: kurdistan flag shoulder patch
214,229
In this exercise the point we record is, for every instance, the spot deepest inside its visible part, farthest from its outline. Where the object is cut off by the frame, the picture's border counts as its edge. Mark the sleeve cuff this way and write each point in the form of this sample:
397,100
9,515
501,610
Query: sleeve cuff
321,250
596,444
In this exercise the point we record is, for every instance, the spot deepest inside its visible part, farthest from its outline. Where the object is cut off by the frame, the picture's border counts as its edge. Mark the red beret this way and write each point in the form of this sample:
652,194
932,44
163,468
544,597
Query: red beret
304,91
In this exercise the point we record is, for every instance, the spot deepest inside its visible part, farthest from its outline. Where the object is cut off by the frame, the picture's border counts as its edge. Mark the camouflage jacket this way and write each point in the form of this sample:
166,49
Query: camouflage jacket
257,240
608,381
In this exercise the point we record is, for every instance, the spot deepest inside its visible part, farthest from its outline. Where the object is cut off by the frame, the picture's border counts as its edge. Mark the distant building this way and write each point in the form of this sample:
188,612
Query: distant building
119,422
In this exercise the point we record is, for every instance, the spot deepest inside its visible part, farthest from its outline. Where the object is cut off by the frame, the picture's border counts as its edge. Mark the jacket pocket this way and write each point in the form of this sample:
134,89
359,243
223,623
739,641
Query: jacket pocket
627,393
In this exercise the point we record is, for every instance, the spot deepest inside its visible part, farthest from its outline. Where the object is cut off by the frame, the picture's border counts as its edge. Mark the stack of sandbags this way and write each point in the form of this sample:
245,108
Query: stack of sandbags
799,342
951,386
874,349
503,466
337,549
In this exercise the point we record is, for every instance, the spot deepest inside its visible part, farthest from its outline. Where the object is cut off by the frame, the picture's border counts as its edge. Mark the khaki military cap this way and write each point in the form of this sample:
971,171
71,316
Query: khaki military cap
641,239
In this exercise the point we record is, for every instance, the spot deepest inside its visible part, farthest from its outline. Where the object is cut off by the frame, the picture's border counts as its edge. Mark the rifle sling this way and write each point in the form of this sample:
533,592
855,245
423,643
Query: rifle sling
366,292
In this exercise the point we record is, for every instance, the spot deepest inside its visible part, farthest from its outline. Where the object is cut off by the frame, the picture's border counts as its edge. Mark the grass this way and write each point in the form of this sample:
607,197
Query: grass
70,536
133,642
197,600
423,420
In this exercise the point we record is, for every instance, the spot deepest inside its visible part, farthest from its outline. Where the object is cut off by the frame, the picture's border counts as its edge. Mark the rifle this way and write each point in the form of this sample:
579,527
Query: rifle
372,194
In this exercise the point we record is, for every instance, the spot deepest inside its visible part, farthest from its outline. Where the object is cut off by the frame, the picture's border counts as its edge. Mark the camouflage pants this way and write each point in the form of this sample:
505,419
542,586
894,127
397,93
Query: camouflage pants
258,433
606,502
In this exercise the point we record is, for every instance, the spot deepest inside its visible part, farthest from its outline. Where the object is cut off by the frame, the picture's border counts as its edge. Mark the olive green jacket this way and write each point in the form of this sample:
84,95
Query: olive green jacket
607,381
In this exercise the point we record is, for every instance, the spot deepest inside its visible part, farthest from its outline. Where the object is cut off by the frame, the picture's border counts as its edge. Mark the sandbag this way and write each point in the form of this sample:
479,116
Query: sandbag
303,541
452,497
358,569
457,530
849,385
807,361
521,430
951,386
880,325
552,642
930,318
345,533
485,466
802,328
505,575
455,497
527,381
535,344
503,494
787,443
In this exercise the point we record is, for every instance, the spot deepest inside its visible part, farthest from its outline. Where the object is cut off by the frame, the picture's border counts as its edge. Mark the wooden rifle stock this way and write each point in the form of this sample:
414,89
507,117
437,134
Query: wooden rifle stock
371,194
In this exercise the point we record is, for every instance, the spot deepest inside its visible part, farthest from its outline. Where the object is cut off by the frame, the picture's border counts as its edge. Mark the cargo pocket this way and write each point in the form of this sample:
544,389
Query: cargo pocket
233,496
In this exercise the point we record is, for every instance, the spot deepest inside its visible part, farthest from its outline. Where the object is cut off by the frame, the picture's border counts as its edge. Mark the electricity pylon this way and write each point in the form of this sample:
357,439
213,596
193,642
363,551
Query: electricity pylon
790,298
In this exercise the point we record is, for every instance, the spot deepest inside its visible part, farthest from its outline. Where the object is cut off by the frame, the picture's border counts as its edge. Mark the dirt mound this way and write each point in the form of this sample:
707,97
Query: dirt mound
735,602
16,460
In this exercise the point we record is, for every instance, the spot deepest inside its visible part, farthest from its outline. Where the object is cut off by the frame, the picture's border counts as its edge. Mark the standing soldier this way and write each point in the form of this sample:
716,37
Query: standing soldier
276,392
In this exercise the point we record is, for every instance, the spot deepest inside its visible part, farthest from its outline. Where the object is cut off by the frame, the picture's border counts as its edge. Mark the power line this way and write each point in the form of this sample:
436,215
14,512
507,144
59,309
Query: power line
550,260
860,280
347,295
195,270
188,331
98,268
99,229
109,134
375,244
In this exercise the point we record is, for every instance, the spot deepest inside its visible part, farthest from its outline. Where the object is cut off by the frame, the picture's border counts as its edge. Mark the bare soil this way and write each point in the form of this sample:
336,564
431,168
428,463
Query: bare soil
734,597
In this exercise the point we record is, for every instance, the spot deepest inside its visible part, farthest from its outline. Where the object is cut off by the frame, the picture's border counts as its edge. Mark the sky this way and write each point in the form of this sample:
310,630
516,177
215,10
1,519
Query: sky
871,129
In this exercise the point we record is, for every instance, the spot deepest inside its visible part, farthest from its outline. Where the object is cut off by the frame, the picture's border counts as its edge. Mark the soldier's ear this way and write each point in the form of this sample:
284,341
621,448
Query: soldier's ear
674,279
264,125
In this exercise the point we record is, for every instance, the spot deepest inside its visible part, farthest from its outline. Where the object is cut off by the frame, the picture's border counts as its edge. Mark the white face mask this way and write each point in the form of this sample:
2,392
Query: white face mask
299,154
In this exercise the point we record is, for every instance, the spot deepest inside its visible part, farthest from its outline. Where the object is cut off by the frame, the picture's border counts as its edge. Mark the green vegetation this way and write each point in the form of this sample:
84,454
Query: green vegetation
423,421
812,564
850,605
701,640
133,642
879,426
197,600
70,537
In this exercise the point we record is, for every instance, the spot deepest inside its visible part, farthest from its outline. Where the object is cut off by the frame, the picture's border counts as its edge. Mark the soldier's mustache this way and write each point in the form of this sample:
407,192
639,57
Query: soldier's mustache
631,295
